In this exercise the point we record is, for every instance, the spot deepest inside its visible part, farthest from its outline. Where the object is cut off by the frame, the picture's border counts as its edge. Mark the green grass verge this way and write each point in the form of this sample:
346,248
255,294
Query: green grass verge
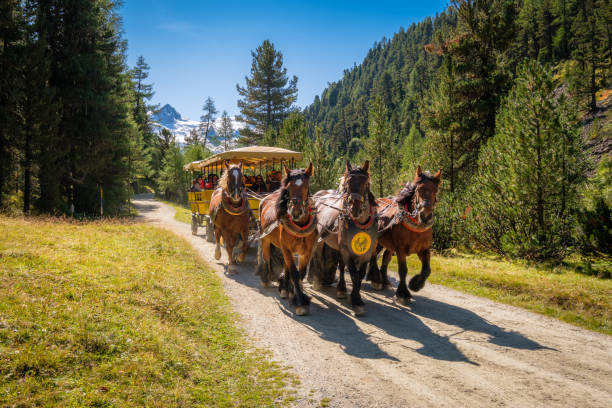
116,314
182,214
563,293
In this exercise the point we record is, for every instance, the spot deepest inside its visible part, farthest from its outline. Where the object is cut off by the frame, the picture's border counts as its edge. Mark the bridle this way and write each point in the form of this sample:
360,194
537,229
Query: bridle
348,198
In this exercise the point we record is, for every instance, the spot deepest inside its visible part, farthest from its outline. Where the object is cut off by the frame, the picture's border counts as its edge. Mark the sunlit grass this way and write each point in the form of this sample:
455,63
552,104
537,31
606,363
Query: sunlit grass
117,314
561,292
182,214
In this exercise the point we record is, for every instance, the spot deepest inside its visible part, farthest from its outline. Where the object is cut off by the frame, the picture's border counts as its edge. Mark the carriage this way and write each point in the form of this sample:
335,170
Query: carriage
256,161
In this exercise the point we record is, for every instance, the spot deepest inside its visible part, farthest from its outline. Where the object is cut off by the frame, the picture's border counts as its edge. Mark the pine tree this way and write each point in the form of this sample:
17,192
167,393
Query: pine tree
172,175
475,74
319,153
591,49
193,138
143,92
226,131
293,133
380,149
12,28
268,95
208,118
412,150
526,191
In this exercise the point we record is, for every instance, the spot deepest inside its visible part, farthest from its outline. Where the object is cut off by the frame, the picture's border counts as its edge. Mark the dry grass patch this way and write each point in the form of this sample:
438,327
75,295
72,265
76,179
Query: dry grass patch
117,314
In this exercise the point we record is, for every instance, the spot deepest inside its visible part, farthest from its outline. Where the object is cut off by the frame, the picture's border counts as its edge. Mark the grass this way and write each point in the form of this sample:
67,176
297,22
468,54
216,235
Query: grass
563,293
110,314
182,214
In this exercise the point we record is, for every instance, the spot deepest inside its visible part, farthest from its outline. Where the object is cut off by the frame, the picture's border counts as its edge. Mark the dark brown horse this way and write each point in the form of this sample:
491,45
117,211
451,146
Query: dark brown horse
230,213
404,225
288,222
347,226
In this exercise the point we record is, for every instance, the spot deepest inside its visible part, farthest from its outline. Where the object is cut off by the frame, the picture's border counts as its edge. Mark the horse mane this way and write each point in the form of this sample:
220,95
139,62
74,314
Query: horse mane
283,199
405,195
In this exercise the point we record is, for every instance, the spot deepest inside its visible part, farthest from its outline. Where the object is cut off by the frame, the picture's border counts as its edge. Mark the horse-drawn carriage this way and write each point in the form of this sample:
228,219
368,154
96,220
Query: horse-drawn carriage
256,160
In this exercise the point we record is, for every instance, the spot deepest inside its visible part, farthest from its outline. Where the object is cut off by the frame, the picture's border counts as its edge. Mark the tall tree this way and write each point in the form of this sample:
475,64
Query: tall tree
226,130
12,26
475,71
380,148
293,133
319,153
143,92
208,118
268,95
526,191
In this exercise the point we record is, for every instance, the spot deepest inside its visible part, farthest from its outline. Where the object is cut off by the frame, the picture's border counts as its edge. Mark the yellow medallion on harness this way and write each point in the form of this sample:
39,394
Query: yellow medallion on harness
361,242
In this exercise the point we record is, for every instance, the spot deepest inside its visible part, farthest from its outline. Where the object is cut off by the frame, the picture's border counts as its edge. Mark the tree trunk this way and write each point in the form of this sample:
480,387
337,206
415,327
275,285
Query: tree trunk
27,167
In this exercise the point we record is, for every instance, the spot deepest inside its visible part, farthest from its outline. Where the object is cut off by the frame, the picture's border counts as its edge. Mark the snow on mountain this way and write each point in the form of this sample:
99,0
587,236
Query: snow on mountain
167,117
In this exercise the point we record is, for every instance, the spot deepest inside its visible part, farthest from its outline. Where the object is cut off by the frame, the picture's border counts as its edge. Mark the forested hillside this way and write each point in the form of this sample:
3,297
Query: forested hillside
444,85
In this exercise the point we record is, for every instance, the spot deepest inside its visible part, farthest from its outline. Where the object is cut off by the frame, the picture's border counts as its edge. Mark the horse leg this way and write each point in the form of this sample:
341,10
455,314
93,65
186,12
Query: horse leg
230,241
418,281
402,294
373,272
263,263
218,244
299,299
387,255
341,286
244,235
356,274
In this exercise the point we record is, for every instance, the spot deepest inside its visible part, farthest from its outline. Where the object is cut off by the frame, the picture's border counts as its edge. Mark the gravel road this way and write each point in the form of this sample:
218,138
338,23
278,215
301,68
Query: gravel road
446,349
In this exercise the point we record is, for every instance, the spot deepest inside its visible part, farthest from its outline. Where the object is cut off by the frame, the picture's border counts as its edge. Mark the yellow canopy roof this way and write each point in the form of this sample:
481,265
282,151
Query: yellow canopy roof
250,156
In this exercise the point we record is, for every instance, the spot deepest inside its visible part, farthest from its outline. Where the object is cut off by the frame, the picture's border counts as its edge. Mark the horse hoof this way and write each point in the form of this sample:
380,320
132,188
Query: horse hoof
267,284
241,257
387,286
284,294
359,310
301,310
402,300
316,285
231,270
376,285
341,294
217,253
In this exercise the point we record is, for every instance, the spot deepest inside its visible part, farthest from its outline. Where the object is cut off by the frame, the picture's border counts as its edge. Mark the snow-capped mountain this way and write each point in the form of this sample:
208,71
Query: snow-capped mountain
167,117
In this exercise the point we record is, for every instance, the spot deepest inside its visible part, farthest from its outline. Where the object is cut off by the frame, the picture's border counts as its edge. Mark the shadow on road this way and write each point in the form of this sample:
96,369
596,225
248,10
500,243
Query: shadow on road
390,322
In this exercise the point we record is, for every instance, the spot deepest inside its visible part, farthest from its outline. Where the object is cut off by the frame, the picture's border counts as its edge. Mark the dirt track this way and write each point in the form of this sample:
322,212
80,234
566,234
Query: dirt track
446,349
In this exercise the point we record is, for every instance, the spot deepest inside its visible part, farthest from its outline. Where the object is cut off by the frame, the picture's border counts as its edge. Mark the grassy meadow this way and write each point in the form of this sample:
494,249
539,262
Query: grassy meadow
116,314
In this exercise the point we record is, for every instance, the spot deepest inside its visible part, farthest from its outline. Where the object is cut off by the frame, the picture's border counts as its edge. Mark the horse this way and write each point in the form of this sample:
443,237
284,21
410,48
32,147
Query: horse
230,213
347,228
404,225
288,222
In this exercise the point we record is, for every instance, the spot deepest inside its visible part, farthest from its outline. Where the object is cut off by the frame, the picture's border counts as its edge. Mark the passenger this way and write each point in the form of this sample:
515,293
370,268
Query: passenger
201,182
209,182
215,180
275,182
259,186
195,186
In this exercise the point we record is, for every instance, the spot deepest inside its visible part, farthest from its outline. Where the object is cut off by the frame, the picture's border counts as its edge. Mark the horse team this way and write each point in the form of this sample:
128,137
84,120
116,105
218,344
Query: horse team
328,231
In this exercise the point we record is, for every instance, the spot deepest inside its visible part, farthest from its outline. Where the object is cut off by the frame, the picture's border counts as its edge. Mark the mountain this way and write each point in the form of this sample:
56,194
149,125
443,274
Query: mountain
167,117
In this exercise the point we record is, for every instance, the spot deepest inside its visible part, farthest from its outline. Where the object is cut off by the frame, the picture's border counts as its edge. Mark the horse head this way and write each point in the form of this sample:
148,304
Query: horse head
231,182
295,193
355,187
420,195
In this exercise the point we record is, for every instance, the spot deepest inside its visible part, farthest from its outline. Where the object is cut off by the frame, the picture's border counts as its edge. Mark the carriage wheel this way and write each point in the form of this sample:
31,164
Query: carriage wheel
210,233
194,225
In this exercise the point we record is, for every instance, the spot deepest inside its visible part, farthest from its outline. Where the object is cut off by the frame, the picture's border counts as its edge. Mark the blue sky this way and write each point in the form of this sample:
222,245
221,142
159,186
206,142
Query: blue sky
203,48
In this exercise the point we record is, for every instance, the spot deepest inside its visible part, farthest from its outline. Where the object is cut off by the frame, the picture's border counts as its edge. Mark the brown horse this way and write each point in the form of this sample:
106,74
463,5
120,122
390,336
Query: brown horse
404,225
347,227
230,213
288,222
